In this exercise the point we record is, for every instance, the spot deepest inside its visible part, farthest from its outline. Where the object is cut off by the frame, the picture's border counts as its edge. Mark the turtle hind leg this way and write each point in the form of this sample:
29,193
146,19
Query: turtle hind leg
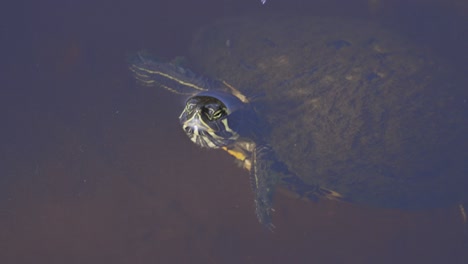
330,194
463,216
308,191
463,213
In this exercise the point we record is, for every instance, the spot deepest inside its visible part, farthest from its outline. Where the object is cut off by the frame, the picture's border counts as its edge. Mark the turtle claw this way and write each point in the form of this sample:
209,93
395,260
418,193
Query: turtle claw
263,211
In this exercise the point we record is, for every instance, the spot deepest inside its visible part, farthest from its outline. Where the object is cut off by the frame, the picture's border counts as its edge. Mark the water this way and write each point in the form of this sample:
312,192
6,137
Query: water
95,169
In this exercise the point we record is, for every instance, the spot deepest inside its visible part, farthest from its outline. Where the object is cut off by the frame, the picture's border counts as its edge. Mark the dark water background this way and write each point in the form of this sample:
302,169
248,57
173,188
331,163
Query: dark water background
95,169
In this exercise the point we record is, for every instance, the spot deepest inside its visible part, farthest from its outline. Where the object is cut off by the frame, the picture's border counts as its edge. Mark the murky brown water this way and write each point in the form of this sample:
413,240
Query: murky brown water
96,169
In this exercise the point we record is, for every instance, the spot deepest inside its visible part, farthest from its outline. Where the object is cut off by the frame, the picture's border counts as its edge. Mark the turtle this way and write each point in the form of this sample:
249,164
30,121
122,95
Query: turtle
325,107
218,116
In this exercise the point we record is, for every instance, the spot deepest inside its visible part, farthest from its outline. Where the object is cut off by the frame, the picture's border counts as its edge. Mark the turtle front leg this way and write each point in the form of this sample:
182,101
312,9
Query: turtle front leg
263,185
258,161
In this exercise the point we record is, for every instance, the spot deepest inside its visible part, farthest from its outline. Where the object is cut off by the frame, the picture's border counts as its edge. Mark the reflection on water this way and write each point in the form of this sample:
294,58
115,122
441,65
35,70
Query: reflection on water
97,170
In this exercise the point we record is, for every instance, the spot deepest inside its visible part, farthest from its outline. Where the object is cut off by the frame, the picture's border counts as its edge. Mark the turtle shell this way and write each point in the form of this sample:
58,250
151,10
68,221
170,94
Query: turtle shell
351,106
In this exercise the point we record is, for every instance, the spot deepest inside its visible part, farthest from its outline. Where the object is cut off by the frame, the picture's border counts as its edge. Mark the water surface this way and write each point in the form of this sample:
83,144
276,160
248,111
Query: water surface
95,169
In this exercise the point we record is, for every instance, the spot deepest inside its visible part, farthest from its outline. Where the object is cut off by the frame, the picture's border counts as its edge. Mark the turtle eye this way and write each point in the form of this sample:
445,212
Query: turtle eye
189,107
213,113
209,111
218,114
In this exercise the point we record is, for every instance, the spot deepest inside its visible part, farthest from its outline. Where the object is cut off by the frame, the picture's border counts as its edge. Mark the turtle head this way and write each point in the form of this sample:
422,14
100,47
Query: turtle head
206,119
